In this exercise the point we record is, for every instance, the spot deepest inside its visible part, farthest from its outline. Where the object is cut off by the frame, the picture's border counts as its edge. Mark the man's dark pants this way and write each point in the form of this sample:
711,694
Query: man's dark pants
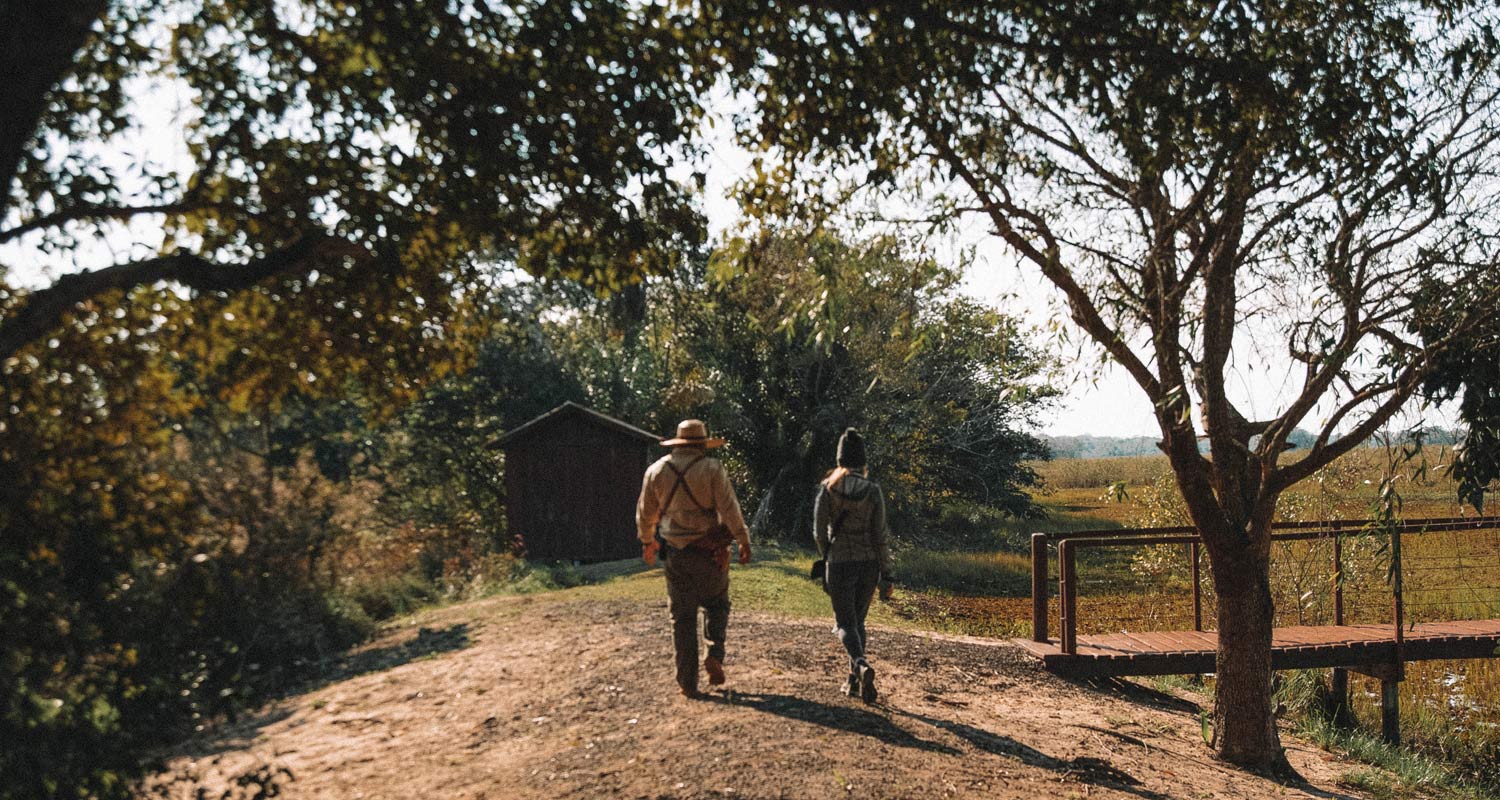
694,580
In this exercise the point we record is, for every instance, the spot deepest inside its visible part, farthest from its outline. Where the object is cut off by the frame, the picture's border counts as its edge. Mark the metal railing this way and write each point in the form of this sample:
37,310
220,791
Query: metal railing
1335,532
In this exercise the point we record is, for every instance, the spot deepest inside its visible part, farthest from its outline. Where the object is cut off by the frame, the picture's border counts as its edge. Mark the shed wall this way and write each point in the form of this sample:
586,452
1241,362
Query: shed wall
572,488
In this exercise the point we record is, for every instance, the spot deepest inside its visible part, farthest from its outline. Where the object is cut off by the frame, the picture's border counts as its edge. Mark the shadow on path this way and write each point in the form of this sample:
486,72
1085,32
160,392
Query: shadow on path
243,728
1137,693
1084,769
427,642
838,717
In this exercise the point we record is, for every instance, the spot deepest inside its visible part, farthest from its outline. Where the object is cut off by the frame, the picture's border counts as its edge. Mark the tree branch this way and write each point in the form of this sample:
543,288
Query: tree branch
1085,313
43,310
38,46
99,212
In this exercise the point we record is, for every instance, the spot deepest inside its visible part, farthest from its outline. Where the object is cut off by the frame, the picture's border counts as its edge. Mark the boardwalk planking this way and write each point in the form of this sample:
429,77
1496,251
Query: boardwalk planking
1296,647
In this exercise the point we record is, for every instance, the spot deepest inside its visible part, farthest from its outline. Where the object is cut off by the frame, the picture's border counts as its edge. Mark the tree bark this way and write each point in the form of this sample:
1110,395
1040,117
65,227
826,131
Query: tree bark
38,43
1244,717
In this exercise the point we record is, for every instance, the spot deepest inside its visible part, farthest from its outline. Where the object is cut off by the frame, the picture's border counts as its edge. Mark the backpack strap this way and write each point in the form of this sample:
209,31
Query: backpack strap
842,505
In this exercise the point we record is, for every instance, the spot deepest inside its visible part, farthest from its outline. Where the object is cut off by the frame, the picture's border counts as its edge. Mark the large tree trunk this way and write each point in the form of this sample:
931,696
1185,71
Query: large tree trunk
1244,718
1229,505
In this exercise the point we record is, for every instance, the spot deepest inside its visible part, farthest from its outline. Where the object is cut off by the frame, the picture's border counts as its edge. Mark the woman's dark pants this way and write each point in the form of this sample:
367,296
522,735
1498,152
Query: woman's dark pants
851,585
694,580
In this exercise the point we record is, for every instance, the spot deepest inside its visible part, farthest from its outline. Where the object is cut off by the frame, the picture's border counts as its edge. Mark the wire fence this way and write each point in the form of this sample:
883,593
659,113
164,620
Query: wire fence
1339,575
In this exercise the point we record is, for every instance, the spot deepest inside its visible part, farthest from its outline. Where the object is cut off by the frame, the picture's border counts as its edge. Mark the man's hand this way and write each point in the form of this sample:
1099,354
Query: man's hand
648,553
744,552
885,590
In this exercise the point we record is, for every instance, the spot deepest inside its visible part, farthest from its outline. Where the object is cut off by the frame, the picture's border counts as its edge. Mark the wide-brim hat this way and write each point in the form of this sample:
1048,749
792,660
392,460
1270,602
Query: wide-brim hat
692,433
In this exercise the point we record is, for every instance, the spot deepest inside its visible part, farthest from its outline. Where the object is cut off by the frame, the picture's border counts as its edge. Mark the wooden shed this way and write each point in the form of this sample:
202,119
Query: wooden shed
572,476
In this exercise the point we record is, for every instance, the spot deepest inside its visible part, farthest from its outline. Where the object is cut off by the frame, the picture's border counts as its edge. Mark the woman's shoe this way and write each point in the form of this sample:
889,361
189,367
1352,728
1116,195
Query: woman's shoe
866,681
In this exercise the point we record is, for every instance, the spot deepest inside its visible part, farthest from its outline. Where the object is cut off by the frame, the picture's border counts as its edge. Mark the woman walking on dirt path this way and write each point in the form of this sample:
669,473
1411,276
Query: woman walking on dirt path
849,528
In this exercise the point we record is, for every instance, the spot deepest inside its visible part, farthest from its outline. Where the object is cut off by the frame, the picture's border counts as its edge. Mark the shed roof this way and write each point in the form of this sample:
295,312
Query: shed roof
568,410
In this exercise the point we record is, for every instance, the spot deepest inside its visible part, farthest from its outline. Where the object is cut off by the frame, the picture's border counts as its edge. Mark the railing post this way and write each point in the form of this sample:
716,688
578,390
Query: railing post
1398,610
1338,689
1067,595
1197,592
1039,587
1338,579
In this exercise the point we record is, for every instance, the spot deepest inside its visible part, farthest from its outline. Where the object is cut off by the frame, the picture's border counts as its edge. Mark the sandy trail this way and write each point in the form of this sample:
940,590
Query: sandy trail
546,697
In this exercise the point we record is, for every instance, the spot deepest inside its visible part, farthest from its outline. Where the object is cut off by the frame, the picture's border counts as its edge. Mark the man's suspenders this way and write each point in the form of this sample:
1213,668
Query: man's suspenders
682,483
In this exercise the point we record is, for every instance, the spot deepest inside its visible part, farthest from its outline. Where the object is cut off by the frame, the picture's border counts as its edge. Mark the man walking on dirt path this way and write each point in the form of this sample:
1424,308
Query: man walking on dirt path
686,499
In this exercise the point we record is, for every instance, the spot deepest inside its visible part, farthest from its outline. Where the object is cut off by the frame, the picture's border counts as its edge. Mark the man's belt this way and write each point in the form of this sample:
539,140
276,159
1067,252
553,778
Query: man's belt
715,538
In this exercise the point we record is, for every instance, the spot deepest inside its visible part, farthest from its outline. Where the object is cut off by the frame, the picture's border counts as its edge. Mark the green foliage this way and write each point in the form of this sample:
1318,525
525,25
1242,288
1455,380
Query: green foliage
1403,772
811,335
188,473
1470,371
780,345
540,131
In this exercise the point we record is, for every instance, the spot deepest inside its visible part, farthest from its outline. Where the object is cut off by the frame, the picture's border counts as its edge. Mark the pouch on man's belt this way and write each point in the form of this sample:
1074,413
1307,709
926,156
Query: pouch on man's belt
716,538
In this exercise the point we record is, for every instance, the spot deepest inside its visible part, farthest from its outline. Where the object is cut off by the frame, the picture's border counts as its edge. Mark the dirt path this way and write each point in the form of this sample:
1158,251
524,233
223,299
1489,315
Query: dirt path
546,698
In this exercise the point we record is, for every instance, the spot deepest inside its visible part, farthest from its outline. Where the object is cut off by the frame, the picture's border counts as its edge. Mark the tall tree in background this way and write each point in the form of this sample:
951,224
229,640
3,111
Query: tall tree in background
1194,179
805,334
780,345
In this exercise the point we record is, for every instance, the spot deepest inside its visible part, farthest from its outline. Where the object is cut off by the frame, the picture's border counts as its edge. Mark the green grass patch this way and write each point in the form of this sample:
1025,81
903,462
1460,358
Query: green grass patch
1401,773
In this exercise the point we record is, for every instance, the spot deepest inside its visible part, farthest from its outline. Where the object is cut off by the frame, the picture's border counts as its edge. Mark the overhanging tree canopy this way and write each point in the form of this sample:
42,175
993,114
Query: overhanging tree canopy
333,180
1192,178
395,142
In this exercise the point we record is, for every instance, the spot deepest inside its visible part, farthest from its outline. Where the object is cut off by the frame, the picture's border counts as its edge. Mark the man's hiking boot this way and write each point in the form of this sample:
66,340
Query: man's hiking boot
866,681
691,693
715,669
851,686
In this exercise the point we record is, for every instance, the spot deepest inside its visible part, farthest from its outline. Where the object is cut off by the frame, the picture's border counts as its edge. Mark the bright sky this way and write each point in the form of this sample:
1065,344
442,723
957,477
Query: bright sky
1100,399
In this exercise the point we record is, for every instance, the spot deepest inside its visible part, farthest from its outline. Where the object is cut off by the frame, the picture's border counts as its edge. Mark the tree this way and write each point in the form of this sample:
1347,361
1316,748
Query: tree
323,219
386,149
1469,371
879,339
802,335
1195,180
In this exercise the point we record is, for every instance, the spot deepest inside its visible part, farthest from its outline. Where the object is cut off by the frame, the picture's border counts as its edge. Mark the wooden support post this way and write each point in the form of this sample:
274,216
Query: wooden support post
1398,606
1338,690
1039,587
1338,699
1197,591
1390,712
1068,596
1390,675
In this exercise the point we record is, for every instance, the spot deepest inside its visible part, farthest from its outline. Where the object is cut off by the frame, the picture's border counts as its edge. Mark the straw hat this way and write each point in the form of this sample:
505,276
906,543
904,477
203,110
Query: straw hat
692,433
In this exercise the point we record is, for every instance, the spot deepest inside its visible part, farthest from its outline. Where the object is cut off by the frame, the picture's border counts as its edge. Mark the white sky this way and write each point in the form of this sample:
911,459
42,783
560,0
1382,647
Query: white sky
1099,399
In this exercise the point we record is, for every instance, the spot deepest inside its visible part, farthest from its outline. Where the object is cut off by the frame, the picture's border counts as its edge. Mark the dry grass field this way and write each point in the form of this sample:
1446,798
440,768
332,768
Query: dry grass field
1450,709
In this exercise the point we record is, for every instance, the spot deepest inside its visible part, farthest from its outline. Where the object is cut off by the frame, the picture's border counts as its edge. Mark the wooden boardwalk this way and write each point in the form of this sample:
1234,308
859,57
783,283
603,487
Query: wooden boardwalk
1296,647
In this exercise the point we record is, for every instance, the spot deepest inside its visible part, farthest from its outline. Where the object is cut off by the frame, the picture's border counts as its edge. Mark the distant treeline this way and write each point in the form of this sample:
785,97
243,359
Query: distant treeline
1088,446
